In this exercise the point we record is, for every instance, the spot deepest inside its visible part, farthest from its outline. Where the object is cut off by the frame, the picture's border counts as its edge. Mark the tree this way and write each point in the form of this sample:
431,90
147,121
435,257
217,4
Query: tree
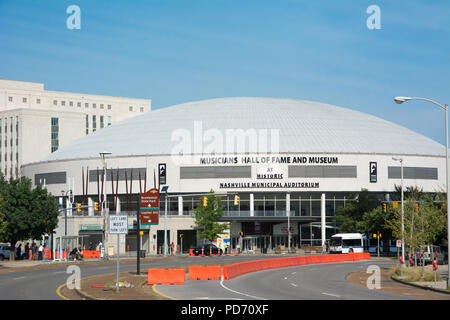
29,213
207,217
377,221
3,223
349,218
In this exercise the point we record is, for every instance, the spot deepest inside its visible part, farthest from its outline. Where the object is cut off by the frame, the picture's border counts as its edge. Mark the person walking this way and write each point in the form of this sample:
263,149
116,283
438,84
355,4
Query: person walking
171,248
19,252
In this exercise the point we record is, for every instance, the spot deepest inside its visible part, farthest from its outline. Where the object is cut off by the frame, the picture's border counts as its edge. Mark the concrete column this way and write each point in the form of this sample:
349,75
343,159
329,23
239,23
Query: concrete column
68,205
322,217
90,209
180,205
252,205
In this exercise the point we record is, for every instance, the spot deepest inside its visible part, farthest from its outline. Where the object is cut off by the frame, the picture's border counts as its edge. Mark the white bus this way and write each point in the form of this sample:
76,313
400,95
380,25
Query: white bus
345,242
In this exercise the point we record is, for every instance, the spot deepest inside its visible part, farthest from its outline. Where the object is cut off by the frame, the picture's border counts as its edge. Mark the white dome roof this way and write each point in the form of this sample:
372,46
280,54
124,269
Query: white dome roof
304,127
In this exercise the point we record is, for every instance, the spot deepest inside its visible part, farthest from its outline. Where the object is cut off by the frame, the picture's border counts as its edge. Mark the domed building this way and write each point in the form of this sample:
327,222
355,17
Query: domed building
289,162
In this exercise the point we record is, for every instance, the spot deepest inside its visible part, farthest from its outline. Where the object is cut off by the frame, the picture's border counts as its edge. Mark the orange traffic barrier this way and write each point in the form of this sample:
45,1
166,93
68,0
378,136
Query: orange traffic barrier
233,270
166,276
191,252
205,272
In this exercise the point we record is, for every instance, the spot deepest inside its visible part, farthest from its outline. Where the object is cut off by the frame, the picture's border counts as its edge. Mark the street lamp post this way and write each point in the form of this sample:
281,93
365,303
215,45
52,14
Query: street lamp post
164,189
403,225
103,212
64,194
400,100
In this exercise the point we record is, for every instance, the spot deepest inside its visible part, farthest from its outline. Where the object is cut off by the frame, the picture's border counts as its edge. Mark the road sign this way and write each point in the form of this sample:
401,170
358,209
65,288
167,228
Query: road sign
399,243
149,207
118,224
150,200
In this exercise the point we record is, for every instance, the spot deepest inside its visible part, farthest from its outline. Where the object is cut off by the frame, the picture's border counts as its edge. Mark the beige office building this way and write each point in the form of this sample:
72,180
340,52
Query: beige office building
35,122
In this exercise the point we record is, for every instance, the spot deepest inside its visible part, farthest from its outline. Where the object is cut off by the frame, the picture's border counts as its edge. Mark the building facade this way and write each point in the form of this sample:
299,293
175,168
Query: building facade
291,162
35,122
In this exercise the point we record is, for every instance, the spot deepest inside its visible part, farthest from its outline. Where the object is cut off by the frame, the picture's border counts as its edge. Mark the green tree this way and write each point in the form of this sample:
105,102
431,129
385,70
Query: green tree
207,217
29,213
377,221
349,218
3,222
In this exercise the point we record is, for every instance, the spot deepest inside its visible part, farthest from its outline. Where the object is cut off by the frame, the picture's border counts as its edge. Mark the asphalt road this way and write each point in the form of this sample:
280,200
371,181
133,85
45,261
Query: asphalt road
42,284
317,282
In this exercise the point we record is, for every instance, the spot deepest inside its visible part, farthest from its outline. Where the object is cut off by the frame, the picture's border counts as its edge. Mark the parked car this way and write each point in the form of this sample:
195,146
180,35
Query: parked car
207,249
4,251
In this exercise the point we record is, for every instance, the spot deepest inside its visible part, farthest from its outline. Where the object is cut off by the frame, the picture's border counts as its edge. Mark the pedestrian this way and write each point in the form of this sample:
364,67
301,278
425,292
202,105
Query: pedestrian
328,246
171,248
33,248
19,252
100,247
41,251
27,251
324,248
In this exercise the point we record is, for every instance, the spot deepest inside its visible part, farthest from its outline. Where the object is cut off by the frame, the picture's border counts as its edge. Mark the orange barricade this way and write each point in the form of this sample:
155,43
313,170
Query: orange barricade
191,252
91,254
47,254
166,276
205,272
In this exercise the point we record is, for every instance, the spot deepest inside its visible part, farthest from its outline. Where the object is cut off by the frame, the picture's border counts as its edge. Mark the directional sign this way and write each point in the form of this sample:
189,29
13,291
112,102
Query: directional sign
118,224
150,200
149,207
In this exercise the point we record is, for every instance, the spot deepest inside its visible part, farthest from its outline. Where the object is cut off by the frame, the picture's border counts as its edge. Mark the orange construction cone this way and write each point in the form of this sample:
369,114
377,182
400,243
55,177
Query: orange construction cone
31,255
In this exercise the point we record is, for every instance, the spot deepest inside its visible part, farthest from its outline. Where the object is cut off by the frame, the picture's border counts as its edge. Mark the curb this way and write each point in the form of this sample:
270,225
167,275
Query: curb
419,286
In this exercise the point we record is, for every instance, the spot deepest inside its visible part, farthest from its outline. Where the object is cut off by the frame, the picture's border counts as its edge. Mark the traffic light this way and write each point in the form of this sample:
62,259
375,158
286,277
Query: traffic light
205,201
181,235
384,207
78,207
241,234
395,204
96,208
236,200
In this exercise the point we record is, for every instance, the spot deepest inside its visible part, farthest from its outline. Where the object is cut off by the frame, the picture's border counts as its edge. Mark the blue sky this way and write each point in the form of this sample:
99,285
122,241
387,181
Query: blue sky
180,51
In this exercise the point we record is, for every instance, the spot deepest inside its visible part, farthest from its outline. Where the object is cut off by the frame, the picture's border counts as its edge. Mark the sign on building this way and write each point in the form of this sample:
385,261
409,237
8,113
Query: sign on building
373,172
162,173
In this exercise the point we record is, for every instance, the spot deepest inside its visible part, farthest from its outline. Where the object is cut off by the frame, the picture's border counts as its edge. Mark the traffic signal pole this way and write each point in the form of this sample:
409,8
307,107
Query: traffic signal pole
138,241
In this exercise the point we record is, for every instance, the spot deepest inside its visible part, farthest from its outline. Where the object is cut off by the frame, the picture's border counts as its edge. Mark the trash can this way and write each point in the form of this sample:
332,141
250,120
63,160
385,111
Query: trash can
142,253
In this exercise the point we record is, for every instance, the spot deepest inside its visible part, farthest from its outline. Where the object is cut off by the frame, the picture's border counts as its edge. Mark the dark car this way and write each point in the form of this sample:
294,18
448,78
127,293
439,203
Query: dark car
207,248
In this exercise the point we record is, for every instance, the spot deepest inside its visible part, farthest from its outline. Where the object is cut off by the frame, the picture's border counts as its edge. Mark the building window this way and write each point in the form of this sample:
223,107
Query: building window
71,103
142,109
78,104
63,103
101,122
38,101
17,130
94,105
24,100
10,99
101,106
109,107
86,105
55,134
87,124
131,108
94,123
55,102
109,121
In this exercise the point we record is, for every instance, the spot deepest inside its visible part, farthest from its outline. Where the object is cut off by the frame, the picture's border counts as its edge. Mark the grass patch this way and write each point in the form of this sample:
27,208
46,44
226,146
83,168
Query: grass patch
414,274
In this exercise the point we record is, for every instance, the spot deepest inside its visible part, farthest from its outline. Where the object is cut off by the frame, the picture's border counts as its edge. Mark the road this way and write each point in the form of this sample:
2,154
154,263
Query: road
317,282
42,284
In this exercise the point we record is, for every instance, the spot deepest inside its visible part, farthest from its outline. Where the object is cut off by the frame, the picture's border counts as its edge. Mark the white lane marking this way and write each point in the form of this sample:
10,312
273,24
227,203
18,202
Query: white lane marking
59,272
208,298
285,278
293,272
293,284
244,294
18,278
330,294
102,267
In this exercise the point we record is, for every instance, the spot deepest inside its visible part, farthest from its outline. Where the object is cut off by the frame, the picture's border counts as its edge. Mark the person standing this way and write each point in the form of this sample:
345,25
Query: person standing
41,251
27,251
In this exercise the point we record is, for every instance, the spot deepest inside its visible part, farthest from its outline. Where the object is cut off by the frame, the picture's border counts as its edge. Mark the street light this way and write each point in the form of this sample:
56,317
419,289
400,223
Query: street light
400,100
164,189
403,226
64,194
102,159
